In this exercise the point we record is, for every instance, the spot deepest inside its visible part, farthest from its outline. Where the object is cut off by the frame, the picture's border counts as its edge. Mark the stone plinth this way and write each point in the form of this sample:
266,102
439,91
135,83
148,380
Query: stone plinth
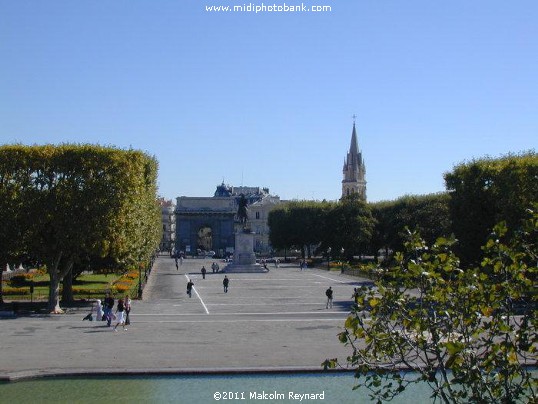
244,257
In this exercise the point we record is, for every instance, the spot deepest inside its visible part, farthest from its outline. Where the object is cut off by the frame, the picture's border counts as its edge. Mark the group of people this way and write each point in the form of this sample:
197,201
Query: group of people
104,311
214,267
329,293
226,281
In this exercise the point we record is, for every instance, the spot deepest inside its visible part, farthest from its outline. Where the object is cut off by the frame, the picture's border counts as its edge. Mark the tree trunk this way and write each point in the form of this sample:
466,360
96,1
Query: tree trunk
56,276
54,291
67,290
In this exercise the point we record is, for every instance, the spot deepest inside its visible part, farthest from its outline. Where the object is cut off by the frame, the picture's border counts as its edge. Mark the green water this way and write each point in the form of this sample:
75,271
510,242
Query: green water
333,388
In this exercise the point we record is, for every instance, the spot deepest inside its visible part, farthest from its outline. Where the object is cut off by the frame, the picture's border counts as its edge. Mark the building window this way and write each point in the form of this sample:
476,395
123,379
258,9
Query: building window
257,215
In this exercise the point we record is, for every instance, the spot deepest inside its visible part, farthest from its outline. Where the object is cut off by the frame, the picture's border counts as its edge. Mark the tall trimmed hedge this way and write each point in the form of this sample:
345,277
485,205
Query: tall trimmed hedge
347,224
487,191
427,214
67,202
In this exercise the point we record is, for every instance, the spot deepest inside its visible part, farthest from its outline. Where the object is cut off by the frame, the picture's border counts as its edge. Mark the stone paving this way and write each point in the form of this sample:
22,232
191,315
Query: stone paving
266,321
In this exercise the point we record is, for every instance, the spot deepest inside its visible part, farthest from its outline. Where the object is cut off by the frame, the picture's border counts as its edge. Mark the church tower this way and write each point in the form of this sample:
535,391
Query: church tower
354,170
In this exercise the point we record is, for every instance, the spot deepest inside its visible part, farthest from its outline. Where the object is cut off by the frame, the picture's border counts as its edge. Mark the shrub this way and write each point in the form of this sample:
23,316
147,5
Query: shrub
122,288
131,275
470,334
9,291
85,292
336,264
21,279
41,271
125,283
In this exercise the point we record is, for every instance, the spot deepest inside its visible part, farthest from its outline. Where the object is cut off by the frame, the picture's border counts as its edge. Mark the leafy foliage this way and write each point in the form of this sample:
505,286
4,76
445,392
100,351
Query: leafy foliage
298,224
427,214
349,227
347,224
487,191
71,202
470,335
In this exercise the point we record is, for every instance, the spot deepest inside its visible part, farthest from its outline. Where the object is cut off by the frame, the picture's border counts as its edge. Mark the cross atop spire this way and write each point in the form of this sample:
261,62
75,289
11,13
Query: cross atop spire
354,117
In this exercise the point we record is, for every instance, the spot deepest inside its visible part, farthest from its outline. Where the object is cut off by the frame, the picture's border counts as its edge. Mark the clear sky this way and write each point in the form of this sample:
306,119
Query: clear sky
266,99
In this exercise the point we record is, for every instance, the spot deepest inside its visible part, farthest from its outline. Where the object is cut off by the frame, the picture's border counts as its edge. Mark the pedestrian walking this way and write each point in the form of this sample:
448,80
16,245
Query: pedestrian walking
190,284
225,283
329,294
120,315
109,305
127,309
177,266
203,272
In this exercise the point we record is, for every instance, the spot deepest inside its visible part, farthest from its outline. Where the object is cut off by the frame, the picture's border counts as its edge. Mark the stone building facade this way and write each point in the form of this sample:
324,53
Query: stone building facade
169,225
205,224
258,216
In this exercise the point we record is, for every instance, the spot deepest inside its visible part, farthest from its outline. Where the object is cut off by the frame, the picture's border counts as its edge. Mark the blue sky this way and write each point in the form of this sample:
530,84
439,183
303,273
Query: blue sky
267,99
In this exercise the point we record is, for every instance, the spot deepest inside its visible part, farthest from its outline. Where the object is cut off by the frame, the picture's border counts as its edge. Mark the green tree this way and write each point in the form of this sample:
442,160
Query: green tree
381,211
12,234
470,335
349,226
487,191
298,224
82,200
279,228
308,220
427,214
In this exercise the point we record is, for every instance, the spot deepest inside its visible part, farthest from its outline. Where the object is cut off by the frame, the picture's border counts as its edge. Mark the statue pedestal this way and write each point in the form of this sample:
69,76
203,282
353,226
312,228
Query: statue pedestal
244,257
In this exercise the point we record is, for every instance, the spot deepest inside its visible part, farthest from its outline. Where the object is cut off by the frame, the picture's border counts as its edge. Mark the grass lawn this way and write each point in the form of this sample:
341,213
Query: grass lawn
86,286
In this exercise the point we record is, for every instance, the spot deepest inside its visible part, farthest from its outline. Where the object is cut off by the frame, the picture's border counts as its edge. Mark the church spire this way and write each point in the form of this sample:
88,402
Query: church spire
354,169
354,146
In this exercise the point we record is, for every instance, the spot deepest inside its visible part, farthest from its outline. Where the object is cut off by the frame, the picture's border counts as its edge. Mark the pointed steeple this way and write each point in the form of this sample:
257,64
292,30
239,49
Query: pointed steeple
354,146
354,169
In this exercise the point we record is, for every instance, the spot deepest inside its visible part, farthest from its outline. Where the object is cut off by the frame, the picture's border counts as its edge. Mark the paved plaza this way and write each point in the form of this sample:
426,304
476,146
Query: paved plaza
266,321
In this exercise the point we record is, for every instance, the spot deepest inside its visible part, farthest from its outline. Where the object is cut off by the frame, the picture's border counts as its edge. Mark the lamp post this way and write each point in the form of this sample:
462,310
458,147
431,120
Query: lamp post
328,258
